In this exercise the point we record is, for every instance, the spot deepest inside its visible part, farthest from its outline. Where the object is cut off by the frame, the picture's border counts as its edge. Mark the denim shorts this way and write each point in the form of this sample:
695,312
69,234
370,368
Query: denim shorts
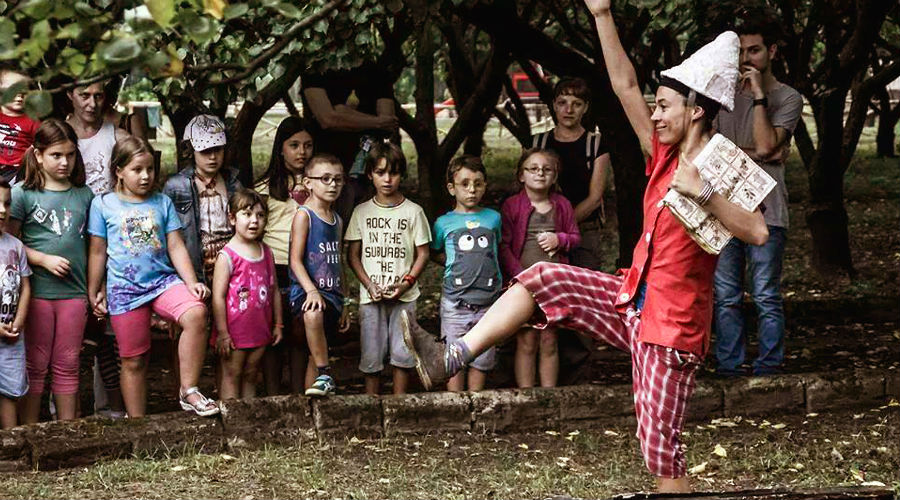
381,337
457,318
13,375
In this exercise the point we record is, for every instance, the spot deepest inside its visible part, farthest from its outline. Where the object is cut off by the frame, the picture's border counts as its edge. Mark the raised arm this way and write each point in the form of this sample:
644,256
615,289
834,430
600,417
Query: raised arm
621,73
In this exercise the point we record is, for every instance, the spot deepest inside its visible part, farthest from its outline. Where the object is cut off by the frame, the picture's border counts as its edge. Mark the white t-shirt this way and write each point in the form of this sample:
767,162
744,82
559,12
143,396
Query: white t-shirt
389,239
96,152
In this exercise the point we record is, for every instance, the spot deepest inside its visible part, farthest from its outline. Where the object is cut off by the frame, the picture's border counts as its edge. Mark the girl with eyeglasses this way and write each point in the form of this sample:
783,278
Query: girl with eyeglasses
538,225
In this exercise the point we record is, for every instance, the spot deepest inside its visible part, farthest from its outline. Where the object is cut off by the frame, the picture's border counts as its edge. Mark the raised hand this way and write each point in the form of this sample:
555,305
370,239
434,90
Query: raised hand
597,6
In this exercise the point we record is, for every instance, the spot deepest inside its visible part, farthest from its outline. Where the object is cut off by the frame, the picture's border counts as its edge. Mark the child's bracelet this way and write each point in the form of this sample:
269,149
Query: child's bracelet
409,279
279,325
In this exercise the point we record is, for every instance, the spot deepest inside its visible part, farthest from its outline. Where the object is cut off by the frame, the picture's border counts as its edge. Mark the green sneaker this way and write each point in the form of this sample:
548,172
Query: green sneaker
323,386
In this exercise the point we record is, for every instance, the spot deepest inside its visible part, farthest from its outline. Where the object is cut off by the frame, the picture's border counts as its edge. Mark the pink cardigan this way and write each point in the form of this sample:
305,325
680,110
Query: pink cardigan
515,213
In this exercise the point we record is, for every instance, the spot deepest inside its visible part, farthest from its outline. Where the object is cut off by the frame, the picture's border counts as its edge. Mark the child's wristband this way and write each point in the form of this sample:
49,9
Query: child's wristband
409,279
279,325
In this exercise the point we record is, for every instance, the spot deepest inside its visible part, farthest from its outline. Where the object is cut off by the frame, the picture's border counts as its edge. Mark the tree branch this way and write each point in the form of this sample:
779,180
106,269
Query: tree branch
272,51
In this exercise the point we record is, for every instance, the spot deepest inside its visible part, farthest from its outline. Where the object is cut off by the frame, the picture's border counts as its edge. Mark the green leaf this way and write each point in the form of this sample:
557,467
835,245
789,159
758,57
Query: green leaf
84,9
7,33
71,30
162,11
120,51
288,10
236,10
38,104
38,9
200,29
75,61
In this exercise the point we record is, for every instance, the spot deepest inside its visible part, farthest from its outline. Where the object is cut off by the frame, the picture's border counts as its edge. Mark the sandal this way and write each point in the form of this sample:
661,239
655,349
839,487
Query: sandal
203,406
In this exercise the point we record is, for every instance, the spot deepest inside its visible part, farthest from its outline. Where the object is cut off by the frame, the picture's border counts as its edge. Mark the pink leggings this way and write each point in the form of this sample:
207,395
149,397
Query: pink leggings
53,342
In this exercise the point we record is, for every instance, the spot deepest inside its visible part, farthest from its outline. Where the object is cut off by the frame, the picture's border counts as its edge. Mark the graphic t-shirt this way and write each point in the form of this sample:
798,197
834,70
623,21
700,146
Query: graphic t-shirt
470,242
96,153
322,260
55,223
389,237
13,266
16,135
138,268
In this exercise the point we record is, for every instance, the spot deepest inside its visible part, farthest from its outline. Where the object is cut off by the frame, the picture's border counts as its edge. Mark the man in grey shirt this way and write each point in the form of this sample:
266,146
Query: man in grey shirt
765,114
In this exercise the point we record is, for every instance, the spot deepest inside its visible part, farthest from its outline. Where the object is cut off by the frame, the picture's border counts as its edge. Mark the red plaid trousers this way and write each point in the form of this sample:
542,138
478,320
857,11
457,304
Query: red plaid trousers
663,378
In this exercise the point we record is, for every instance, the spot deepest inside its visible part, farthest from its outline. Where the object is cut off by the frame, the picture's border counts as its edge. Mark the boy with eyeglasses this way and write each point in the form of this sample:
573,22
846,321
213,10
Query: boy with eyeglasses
317,284
388,237
467,240
16,128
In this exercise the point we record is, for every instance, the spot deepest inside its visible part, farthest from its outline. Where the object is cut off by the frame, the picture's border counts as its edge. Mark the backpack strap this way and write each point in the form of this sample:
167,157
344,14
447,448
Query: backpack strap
539,141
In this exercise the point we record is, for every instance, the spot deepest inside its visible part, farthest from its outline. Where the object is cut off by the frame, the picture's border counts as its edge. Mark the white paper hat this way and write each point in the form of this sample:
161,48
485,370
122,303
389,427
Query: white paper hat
204,132
713,70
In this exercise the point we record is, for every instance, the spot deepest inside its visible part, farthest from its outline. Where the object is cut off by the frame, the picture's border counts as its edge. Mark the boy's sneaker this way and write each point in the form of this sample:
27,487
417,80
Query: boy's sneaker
323,386
428,351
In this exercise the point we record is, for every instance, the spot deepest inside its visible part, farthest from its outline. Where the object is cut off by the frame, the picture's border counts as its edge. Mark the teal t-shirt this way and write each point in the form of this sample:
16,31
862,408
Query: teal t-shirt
55,223
470,241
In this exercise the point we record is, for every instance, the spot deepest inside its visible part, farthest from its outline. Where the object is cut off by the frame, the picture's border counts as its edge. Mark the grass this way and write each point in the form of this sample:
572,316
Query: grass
812,451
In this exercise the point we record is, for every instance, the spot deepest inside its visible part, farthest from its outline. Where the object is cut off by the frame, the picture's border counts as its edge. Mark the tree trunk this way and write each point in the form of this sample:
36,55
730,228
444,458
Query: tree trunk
887,121
825,213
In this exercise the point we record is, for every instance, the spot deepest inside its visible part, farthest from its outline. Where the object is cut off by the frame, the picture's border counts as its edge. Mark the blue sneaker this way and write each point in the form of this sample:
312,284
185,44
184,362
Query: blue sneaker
323,386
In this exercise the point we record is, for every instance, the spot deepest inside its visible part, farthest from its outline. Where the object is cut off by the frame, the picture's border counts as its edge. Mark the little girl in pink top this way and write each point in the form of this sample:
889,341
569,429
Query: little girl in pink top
246,303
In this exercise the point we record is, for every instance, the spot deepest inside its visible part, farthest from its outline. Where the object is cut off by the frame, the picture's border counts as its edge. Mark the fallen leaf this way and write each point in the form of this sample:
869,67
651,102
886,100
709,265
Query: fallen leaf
178,468
551,433
523,446
810,415
799,466
356,440
836,454
227,457
698,469
610,433
384,480
873,483
779,426
720,451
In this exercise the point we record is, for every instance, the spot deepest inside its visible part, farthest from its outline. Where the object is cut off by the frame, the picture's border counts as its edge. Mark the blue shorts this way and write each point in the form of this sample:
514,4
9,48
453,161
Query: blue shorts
13,377
457,318
332,312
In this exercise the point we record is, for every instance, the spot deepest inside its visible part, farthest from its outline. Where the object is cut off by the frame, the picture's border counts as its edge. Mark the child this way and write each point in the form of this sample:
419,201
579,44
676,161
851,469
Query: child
388,238
200,193
15,290
244,297
16,128
466,239
282,187
135,240
538,226
50,211
317,294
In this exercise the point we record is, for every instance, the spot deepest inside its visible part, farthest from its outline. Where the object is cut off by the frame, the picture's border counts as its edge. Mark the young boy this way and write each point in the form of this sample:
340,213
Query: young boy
317,290
667,334
467,240
584,169
388,238
15,291
16,128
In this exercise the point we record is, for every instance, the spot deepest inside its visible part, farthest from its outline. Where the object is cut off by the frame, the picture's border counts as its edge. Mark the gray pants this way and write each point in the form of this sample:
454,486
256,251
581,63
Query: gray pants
381,337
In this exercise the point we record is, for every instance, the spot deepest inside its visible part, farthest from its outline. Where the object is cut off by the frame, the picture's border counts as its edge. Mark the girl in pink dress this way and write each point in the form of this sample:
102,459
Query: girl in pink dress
245,298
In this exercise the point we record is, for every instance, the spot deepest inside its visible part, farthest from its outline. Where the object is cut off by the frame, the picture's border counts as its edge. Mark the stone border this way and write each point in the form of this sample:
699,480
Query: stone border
253,423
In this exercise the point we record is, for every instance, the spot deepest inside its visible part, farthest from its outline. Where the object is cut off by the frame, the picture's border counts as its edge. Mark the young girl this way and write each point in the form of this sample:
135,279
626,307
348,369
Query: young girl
136,240
244,298
284,191
317,293
538,225
15,291
50,213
